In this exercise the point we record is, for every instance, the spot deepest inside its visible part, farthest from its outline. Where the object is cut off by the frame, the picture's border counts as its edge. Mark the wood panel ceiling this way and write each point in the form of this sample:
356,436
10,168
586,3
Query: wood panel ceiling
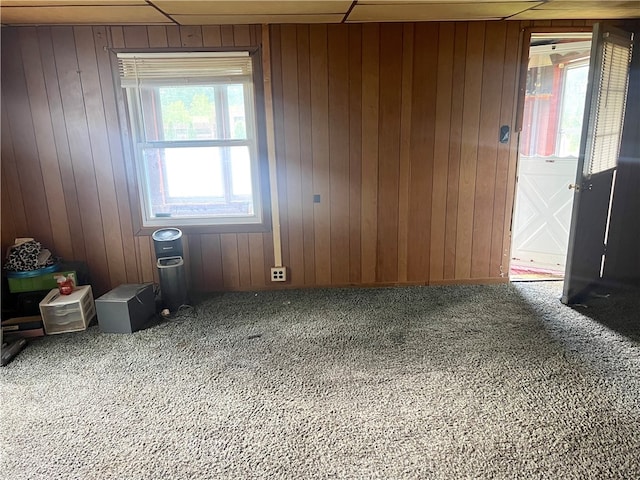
201,12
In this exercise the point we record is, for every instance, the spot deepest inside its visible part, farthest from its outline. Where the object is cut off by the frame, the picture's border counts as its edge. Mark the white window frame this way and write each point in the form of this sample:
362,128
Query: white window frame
140,142
570,66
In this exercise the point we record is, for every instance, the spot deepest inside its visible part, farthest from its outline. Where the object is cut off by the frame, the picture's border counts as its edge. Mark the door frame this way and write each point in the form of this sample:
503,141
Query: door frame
521,88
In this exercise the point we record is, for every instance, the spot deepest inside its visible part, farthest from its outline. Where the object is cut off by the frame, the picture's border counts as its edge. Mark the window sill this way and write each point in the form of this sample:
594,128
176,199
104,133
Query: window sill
204,229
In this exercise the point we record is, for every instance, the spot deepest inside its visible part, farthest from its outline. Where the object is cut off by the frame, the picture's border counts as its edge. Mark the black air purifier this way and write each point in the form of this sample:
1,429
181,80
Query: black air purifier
167,243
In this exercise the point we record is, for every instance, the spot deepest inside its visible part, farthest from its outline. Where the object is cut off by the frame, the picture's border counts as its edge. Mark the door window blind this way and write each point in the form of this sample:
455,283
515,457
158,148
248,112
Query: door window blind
608,115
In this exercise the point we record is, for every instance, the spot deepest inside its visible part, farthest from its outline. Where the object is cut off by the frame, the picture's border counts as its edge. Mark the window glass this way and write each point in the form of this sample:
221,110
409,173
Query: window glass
237,120
240,171
198,182
575,91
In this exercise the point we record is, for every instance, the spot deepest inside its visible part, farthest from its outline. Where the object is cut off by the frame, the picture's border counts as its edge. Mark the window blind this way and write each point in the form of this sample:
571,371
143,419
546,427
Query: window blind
138,69
608,115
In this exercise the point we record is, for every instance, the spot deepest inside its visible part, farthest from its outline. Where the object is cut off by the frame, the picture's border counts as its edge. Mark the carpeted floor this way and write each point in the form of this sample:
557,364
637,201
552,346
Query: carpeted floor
423,382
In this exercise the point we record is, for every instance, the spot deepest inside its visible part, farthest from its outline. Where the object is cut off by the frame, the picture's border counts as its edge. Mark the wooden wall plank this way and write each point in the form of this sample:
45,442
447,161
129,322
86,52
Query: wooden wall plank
136,36
226,34
389,151
338,90
25,151
291,154
256,260
355,151
422,146
230,266
157,35
405,150
211,262
8,232
241,36
117,37
244,262
267,244
45,144
306,153
441,151
154,263
255,32
56,113
174,40
488,140
469,150
185,256
15,204
211,36
100,151
191,36
561,23
455,136
147,266
320,145
75,116
206,262
200,259
370,154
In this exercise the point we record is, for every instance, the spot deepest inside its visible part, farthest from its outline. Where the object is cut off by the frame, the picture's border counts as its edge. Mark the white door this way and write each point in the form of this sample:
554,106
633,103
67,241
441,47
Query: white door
548,155
542,214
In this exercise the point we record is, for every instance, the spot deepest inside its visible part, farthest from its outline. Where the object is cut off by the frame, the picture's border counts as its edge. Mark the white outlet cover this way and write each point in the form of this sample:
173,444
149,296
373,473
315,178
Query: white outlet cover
279,274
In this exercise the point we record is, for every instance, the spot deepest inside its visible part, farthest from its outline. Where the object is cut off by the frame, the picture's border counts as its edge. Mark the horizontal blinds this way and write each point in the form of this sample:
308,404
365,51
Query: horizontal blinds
609,112
187,67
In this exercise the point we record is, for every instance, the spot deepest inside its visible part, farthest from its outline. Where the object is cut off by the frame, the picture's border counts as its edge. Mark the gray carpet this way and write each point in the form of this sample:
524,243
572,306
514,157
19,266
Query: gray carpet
441,382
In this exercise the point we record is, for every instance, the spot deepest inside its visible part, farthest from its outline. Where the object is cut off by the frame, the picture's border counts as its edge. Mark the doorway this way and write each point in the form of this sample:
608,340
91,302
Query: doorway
557,77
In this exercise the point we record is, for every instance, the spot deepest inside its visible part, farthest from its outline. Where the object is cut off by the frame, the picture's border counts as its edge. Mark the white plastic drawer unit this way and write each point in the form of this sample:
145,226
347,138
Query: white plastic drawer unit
67,313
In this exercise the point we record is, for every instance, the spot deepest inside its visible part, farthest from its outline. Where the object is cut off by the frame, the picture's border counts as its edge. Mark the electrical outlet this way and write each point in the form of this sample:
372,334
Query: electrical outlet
279,274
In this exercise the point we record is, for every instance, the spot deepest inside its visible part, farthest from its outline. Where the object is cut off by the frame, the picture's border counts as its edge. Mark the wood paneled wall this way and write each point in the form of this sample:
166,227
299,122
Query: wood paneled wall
394,126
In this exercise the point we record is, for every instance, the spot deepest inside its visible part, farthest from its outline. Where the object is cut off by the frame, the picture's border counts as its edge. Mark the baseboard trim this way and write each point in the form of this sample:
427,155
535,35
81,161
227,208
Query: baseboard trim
471,281
288,286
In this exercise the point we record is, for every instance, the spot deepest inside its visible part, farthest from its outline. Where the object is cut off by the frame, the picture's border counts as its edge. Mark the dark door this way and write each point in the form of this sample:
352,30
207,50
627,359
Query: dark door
597,161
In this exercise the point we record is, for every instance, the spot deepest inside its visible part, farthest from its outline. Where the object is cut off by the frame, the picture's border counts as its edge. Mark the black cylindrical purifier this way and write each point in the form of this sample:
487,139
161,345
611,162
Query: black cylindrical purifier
167,244
173,284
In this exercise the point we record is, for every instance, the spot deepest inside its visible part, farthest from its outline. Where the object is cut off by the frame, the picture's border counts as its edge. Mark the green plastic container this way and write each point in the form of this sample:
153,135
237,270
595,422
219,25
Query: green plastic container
46,281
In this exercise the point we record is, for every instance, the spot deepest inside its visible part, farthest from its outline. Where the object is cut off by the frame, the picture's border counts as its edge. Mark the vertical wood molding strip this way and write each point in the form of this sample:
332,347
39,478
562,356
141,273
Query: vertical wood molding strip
271,146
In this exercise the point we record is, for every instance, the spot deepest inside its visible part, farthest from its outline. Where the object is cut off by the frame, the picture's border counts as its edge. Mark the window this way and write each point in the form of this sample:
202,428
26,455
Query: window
574,91
194,129
554,99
